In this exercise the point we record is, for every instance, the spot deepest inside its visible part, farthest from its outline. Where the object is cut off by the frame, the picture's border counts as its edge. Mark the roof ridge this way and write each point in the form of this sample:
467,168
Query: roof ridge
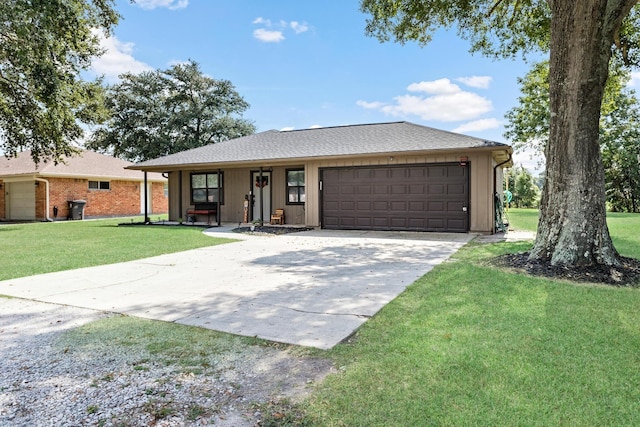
345,126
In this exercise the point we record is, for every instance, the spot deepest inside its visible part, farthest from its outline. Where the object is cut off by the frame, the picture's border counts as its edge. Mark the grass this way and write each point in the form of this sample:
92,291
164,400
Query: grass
469,344
623,228
36,248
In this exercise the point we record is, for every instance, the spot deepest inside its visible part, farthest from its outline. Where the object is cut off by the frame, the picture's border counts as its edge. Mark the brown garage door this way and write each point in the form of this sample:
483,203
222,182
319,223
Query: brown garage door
426,197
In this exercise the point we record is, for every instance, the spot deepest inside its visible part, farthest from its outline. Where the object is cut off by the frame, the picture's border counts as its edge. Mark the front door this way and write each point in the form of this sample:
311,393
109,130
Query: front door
261,190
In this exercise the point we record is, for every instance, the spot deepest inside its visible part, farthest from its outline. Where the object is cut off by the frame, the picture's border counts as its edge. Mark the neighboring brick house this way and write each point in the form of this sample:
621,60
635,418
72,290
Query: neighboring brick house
44,191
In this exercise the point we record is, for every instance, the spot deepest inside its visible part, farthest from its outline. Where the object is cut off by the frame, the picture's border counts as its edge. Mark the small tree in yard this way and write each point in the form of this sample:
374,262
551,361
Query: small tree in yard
522,185
581,36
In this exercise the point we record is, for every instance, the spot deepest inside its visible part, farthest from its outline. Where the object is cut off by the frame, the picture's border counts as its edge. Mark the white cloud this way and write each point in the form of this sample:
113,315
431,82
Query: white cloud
478,125
441,86
268,36
261,20
444,101
286,129
370,105
169,4
446,108
117,59
298,27
480,82
315,127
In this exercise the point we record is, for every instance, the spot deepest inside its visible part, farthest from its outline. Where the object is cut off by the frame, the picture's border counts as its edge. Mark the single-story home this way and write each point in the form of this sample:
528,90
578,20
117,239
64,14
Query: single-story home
383,176
100,184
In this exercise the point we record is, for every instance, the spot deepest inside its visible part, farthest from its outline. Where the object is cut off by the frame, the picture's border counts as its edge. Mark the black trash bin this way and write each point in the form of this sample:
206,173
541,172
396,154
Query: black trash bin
76,209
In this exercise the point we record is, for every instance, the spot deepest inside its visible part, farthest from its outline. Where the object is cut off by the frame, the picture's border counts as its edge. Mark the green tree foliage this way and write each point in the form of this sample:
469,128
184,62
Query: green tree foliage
528,127
44,46
582,38
620,138
523,188
156,113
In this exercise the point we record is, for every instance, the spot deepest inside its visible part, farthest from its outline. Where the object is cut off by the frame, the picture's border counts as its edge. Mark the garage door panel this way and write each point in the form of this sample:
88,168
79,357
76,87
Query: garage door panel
417,189
380,205
398,189
437,206
428,197
458,172
380,189
416,206
363,189
455,189
347,205
436,189
398,205
379,222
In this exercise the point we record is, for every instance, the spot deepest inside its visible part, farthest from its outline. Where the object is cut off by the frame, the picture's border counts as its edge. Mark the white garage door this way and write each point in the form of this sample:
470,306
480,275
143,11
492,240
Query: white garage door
21,201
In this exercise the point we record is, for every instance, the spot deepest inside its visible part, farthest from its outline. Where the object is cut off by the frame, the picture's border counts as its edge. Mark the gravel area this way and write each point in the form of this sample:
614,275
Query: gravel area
44,381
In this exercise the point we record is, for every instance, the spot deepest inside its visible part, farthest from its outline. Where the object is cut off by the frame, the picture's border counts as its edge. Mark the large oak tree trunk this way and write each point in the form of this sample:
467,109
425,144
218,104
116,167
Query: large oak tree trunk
572,230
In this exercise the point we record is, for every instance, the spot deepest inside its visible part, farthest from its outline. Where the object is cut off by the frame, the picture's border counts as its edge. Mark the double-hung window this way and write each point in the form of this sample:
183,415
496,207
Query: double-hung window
206,187
295,187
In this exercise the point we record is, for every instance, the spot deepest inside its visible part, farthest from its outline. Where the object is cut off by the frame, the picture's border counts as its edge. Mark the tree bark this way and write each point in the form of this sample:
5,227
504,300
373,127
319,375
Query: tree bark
572,230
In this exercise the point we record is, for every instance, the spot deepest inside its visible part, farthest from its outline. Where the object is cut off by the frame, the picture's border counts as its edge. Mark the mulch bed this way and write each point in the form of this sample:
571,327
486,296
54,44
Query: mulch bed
270,230
627,274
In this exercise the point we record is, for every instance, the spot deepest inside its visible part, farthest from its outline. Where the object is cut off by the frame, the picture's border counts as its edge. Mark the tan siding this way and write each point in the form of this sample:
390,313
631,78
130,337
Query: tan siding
237,184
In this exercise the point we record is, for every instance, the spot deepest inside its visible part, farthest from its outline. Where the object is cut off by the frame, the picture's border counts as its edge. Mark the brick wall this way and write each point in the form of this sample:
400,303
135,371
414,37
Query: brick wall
41,200
122,199
160,202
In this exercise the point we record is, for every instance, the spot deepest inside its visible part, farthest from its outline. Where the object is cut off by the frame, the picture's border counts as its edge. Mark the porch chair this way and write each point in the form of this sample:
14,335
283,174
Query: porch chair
278,217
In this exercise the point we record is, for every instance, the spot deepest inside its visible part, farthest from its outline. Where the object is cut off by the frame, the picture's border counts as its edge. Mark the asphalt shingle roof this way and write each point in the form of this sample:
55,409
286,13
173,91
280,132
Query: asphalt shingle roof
86,164
379,138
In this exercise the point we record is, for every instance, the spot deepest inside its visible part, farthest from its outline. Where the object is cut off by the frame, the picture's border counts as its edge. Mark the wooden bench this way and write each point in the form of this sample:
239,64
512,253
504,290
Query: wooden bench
207,209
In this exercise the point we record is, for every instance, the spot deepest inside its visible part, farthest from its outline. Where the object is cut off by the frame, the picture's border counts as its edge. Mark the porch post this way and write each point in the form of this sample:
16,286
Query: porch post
261,199
146,199
180,195
218,213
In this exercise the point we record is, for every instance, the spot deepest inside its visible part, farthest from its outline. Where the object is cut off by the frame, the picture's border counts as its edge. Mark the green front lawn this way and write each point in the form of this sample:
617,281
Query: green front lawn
623,227
36,248
470,344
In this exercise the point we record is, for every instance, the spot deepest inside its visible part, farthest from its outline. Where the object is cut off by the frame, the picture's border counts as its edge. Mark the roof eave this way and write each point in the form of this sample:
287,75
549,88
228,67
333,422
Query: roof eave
300,160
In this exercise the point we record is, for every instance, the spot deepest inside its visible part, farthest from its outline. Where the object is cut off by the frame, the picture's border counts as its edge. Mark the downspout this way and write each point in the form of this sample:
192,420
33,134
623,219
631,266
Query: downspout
495,190
46,204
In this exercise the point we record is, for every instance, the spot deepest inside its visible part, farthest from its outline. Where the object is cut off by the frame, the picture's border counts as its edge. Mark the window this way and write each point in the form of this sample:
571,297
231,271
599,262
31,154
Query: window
204,188
99,185
295,187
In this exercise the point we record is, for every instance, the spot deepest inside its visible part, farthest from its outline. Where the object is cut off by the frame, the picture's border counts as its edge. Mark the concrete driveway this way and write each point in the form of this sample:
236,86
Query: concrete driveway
311,288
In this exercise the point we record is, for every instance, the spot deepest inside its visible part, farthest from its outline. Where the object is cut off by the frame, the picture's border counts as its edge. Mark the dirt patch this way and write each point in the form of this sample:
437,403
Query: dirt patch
627,274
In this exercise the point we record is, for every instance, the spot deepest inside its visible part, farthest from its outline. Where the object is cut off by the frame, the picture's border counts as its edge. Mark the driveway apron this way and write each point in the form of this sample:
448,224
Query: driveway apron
312,288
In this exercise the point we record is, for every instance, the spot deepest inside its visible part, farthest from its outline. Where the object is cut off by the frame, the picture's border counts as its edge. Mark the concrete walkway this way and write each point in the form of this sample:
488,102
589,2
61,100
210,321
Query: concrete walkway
311,288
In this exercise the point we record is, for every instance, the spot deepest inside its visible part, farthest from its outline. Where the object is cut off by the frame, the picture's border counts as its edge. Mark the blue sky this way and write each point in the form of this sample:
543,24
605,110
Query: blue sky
302,64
